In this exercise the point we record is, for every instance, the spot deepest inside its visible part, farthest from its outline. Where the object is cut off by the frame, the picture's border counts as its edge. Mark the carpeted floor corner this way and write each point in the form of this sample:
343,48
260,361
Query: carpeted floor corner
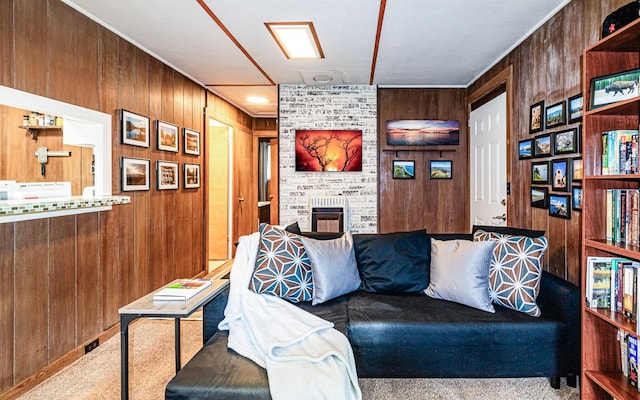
96,376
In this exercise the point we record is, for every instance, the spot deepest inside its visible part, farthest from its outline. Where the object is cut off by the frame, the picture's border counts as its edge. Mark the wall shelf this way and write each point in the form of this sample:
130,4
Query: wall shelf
34,130
22,210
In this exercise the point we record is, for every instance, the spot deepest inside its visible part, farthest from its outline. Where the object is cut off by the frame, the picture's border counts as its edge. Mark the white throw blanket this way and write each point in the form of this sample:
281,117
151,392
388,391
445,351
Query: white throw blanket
305,357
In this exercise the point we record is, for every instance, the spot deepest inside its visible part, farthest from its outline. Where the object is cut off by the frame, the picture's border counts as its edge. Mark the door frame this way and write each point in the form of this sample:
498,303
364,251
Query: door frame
484,94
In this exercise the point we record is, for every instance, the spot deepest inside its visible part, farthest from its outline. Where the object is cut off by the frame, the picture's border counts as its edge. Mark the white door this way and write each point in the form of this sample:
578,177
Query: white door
488,180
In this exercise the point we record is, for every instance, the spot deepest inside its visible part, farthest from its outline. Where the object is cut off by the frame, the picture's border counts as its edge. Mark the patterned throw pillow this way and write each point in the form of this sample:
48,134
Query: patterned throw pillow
516,269
283,268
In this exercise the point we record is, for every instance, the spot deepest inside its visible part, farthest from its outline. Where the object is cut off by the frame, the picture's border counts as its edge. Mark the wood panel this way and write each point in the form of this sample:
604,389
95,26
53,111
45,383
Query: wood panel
7,297
88,273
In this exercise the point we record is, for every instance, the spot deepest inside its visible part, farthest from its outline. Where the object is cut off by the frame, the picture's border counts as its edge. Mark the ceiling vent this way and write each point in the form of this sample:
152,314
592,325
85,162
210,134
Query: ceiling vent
315,78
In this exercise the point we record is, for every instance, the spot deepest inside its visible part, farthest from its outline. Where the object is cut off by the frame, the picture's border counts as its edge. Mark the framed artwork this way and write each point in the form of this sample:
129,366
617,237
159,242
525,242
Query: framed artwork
540,197
555,115
565,141
576,198
542,146
167,175
559,206
536,123
613,88
135,174
167,136
525,149
540,172
191,176
328,150
440,169
191,142
404,169
134,129
560,172
575,108
577,170
424,132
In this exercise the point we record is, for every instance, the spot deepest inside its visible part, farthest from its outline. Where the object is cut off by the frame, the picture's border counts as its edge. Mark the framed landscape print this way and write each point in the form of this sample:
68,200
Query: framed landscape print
560,172
565,141
440,169
540,172
575,108
135,174
328,150
542,146
404,169
539,197
613,88
134,129
555,115
577,170
576,198
167,175
525,149
167,136
425,132
536,122
191,142
191,176
559,206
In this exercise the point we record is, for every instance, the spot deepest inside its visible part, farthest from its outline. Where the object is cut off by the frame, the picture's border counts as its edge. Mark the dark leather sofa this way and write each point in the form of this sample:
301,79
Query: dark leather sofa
410,335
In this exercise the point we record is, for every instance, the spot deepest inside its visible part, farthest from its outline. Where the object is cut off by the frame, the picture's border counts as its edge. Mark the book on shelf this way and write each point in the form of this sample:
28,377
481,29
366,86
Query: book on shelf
622,216
620,152
632,355
624,352
629,289
599,282
181,289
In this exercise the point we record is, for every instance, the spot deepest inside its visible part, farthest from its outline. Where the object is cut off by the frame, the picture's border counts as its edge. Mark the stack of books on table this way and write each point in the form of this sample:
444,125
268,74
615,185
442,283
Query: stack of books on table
181,289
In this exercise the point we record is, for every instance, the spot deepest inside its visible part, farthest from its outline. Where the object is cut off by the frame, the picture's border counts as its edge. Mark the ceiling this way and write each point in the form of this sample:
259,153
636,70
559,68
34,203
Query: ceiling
225,46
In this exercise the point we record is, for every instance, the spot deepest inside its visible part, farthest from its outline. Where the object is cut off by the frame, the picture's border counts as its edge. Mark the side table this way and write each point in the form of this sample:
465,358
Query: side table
146,307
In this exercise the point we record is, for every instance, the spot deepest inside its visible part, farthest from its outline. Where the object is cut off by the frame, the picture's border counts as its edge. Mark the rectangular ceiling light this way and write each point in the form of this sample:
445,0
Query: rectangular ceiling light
296,39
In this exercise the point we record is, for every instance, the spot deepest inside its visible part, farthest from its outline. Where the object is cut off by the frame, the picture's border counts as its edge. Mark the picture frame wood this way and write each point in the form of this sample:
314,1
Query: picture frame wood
441,169
540,172
575,108
540,197
404,169
613,88
565,142
134,129
559,206
542,146
525,149
576,198
135,174
191,140
560,174
167,136
536,120
191,176
167,175
555,114
577,169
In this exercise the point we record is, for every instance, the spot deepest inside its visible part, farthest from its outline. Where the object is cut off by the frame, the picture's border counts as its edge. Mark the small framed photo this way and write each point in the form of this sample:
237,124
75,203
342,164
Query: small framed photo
575,108
191,176
191,141
555,115
536,122
577,170
559,206
540,172
565,142
576,198
440,169
525,149
167,175
135,174
404,169
540,197
613,88
560,172
167,136
542,146
134,129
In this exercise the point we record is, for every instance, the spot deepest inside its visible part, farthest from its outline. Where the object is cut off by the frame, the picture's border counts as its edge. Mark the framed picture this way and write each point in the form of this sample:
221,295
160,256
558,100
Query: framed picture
542,146
328,150
135,174
539,197
577,170
440,169
191,141
134,129
559,206
404,169
191,176
565,142
167,175
575,108
555,115
613,88
536,123
167,136
424,132
560,172
576,198
525,149
540,172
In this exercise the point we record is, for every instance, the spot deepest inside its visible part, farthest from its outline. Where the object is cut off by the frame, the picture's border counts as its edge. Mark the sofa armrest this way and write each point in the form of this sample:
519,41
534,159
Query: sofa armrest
213,313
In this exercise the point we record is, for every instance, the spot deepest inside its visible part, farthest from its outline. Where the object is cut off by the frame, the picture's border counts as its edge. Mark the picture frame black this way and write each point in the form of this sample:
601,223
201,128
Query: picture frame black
542,146
565,142
540,197
135,174
525,149
191,176
134,129
167,175
560,174
576,198
604,90
191,141
536,120
441,169
167,136
559,206
404,169
575,108
577,169
540,172
555,114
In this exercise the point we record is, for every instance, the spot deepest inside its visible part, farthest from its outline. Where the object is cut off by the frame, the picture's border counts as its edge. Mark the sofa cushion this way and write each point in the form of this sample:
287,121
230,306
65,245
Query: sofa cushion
333,266
393,262
282,268
516,268
460,272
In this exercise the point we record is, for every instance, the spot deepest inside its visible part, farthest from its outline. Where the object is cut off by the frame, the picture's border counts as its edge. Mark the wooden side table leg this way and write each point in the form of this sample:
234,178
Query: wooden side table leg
125,320
178,363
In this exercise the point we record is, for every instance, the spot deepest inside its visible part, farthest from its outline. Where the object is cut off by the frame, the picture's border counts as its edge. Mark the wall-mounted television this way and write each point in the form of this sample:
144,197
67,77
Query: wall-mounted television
328,150
423,132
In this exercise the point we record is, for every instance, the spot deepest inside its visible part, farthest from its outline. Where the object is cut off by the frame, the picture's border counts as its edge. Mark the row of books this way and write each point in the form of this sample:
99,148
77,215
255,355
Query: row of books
620,152
612,283
622,216
629,357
